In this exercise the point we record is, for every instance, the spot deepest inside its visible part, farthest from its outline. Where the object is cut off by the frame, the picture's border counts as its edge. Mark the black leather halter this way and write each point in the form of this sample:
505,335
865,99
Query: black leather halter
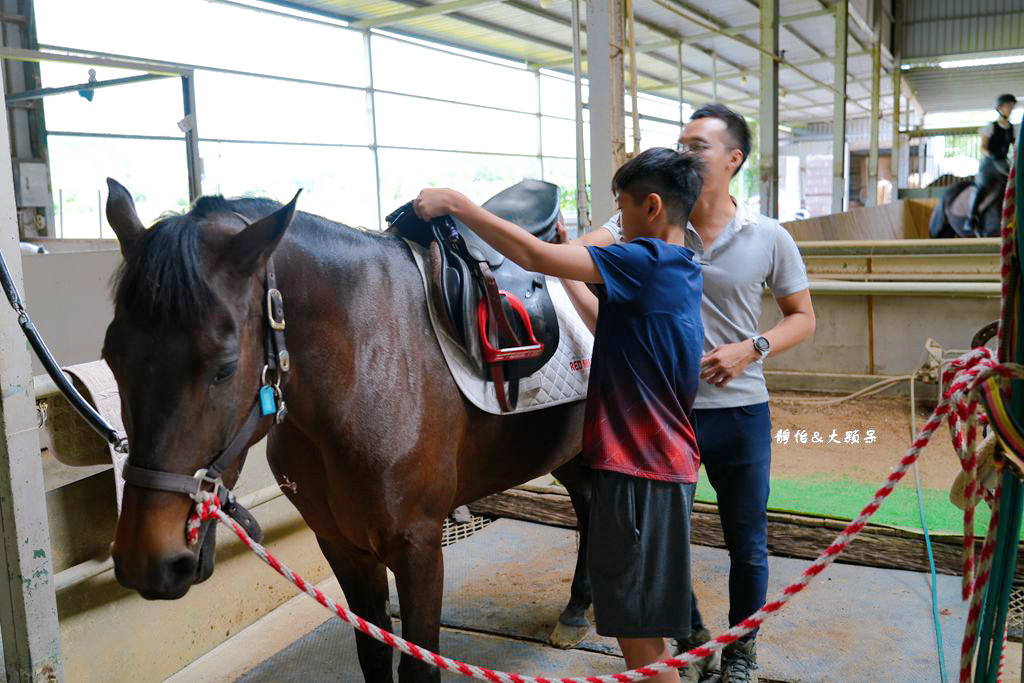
208,478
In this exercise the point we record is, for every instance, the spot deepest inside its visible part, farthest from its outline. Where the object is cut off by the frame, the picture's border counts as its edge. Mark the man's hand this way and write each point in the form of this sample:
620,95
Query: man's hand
433,202
727,362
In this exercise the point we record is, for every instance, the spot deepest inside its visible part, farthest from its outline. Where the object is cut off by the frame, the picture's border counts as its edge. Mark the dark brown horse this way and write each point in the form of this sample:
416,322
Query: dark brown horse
378,440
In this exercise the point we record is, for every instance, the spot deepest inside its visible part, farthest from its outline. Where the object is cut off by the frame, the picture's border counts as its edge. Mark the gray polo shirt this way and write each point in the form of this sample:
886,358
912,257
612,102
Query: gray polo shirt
753,251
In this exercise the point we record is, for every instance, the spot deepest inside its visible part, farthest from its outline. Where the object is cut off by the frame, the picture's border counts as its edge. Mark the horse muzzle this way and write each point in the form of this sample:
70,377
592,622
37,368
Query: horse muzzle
150,551
165,577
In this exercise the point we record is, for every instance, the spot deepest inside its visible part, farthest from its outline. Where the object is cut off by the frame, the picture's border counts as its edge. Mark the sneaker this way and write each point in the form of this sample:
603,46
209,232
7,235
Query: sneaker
739,661
699,670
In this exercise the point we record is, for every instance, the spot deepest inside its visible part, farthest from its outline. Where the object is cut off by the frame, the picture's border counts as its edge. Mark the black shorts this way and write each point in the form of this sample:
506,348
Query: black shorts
639,556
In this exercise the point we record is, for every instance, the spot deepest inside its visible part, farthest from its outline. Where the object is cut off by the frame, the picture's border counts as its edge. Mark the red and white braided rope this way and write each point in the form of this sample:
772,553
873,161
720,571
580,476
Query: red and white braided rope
965,376
974,584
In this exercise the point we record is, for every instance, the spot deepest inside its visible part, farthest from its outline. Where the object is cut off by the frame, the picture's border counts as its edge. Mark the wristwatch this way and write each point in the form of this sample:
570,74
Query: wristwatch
762,346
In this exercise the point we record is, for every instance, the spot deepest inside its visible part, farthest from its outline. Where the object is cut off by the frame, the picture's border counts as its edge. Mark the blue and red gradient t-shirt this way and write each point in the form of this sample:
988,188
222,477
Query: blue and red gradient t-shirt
647,350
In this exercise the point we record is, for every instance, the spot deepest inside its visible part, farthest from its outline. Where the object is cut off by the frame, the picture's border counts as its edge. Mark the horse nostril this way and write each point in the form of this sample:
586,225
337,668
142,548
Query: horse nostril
182,568
170,578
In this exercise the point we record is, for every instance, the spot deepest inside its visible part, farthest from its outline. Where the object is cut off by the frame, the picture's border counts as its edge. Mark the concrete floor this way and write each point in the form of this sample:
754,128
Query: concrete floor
851,624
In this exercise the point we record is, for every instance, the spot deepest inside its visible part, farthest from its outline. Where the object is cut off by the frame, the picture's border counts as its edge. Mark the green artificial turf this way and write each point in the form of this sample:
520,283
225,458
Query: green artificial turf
819,495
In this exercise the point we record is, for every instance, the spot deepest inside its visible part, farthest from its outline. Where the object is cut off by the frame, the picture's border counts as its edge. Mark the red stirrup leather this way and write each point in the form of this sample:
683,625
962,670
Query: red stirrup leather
489,308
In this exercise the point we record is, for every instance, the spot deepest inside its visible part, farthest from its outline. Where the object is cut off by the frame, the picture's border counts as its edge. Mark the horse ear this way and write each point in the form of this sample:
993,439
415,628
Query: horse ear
122,216
249,250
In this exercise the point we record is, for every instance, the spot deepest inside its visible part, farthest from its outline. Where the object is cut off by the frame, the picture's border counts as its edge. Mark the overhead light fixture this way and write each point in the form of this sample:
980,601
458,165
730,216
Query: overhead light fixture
984,61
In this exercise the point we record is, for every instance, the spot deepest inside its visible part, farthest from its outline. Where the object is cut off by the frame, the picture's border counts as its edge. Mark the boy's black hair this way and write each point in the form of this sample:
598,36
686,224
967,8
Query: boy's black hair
674,176
736,125
1005,99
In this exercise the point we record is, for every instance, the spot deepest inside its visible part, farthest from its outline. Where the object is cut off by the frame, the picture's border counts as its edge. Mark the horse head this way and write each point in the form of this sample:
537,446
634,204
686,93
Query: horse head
186,347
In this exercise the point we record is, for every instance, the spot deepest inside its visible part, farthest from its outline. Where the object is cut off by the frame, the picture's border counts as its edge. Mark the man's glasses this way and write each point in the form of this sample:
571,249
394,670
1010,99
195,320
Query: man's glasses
695,147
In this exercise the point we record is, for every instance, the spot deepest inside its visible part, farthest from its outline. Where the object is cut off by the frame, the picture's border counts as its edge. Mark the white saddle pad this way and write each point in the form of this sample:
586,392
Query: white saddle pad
563,379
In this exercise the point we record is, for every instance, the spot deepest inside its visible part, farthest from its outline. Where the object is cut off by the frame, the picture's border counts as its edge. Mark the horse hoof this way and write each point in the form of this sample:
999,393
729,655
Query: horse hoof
565,637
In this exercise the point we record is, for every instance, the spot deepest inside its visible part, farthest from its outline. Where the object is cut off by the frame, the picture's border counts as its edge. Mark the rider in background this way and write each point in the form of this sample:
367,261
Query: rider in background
996,139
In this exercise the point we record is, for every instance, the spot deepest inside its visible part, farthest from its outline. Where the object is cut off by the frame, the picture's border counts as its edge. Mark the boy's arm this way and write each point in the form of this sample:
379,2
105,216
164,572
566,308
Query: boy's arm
584,300
565,261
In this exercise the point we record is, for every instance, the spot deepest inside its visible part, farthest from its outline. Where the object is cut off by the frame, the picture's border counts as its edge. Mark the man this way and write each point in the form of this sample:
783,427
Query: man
739,252
996,139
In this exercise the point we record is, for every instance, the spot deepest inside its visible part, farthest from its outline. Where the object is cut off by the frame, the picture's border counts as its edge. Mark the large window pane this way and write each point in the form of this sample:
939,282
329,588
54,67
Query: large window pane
562,172
661,107
154,171
403,67
559,136
249,108
652,134
146,108
411,122
205,33
403,173
558,96
336,182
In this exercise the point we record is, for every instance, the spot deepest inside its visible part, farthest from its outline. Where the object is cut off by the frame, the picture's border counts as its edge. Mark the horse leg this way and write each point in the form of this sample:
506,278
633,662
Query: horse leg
573,623
419,574
364,581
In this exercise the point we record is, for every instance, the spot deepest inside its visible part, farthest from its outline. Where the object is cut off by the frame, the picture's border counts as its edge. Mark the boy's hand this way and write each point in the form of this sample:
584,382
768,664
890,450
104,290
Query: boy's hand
727,362
562,235
434,202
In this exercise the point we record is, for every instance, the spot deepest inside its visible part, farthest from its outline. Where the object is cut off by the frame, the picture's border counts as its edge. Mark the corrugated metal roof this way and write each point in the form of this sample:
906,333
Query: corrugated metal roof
935,28
966,88
538,32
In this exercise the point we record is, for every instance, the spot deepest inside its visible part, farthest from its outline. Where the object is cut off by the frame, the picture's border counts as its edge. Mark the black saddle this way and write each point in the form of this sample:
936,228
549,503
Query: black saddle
489,298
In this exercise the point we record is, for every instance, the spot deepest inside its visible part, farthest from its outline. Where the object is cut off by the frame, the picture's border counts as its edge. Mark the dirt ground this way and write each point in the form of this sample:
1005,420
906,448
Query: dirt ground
868,463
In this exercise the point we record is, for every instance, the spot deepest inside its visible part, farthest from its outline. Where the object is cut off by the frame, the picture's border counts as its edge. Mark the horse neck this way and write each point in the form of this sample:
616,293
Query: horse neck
319,260
348,292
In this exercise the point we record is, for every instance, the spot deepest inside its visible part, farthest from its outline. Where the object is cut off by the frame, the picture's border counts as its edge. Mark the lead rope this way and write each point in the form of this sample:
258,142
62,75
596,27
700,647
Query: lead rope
965,377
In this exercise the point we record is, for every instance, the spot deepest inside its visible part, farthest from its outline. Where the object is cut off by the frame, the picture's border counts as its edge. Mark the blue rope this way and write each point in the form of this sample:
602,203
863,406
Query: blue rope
943,674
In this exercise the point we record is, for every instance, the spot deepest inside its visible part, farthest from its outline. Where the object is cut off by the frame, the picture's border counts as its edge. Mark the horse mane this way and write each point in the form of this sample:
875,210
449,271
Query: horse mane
160,281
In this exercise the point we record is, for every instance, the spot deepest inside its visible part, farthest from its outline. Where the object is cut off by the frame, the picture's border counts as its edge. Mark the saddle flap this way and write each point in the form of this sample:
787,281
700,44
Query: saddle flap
531,204
478,249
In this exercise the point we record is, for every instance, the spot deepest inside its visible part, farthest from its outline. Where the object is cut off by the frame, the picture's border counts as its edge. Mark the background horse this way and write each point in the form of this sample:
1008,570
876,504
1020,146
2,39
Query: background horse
378,440
949,217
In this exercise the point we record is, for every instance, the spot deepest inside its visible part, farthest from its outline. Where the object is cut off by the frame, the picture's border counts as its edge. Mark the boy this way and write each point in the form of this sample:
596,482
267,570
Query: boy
740,252
637,434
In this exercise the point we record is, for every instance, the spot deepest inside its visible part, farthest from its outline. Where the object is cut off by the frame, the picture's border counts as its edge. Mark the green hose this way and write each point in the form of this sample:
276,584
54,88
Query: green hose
943,674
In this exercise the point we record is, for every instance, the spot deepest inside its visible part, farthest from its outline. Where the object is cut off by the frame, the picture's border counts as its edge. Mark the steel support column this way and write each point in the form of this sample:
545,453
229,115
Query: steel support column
839,109
371,120
191,130
894,154
871,191
714,76
679,75
582,203
28,605
897,82
768,125
607,115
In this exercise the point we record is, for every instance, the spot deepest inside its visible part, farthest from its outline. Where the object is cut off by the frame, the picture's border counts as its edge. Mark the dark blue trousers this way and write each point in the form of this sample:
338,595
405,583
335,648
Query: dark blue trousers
735,450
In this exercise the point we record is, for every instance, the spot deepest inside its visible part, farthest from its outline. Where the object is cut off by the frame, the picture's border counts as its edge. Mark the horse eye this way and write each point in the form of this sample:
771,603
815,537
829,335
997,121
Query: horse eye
225,372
